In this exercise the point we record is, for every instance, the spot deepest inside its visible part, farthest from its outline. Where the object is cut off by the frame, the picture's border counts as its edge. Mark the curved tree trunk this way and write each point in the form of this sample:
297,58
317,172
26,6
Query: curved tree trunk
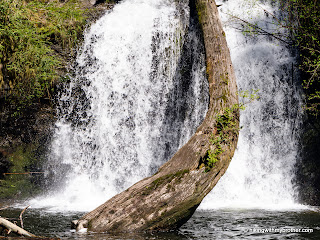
168,199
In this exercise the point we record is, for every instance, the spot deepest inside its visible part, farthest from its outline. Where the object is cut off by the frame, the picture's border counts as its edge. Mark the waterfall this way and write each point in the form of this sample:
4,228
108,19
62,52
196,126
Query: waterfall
138,94
261,172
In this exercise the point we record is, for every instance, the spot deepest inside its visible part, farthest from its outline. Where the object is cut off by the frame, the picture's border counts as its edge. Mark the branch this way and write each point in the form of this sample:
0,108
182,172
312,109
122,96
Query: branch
21,215
25,173
314,73
259,28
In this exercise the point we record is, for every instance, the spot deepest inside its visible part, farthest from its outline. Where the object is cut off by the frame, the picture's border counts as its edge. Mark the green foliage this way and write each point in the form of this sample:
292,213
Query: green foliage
226,127
213,156
306,29
250,95
28,29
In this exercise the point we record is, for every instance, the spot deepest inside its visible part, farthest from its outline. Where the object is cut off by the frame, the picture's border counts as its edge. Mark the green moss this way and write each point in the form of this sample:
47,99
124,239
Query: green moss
90,224
225,78
23,160
201,11
17,186
20,159
164,180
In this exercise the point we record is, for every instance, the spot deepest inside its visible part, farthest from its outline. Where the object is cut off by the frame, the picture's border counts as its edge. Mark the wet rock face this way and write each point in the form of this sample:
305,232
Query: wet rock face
4,163
34,122
24,141
308,165
168,199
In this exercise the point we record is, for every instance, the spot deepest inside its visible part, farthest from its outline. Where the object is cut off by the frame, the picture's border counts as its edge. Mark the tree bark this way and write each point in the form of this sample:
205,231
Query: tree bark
168,199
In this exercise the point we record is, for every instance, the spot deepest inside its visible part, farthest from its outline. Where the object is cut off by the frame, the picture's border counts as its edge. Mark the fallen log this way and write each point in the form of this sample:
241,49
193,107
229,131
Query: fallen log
168,199
14,228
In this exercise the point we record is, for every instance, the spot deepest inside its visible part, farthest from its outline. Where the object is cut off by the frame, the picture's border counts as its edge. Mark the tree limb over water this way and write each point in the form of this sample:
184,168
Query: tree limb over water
168,199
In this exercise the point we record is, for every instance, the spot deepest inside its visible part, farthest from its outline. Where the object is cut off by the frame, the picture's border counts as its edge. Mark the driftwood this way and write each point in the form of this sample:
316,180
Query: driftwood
7,227
14,228
21,221
168,199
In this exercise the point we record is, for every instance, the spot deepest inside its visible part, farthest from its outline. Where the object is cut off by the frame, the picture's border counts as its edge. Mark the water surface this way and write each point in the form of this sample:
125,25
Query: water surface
214,224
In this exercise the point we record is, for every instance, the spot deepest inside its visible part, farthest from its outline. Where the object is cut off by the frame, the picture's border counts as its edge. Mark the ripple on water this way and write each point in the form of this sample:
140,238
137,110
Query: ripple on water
215,224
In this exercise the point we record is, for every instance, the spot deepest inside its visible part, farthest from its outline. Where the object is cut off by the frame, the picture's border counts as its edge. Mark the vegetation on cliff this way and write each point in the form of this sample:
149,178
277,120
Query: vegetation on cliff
38,39
304,24
29,31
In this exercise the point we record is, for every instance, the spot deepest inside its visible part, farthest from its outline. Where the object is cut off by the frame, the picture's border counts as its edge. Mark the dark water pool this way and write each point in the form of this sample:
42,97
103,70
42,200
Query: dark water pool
217,224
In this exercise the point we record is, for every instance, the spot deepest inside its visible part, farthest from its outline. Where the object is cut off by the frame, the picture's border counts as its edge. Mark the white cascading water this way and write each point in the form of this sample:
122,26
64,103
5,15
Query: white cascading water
261,172
130,105
128,108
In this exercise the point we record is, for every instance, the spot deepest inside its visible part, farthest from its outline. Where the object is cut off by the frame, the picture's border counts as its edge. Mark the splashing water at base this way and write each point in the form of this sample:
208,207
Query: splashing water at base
262,170
124,113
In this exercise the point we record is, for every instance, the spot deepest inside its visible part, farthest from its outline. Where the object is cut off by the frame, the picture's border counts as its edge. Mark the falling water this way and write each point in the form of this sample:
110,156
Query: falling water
262,170
138,94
